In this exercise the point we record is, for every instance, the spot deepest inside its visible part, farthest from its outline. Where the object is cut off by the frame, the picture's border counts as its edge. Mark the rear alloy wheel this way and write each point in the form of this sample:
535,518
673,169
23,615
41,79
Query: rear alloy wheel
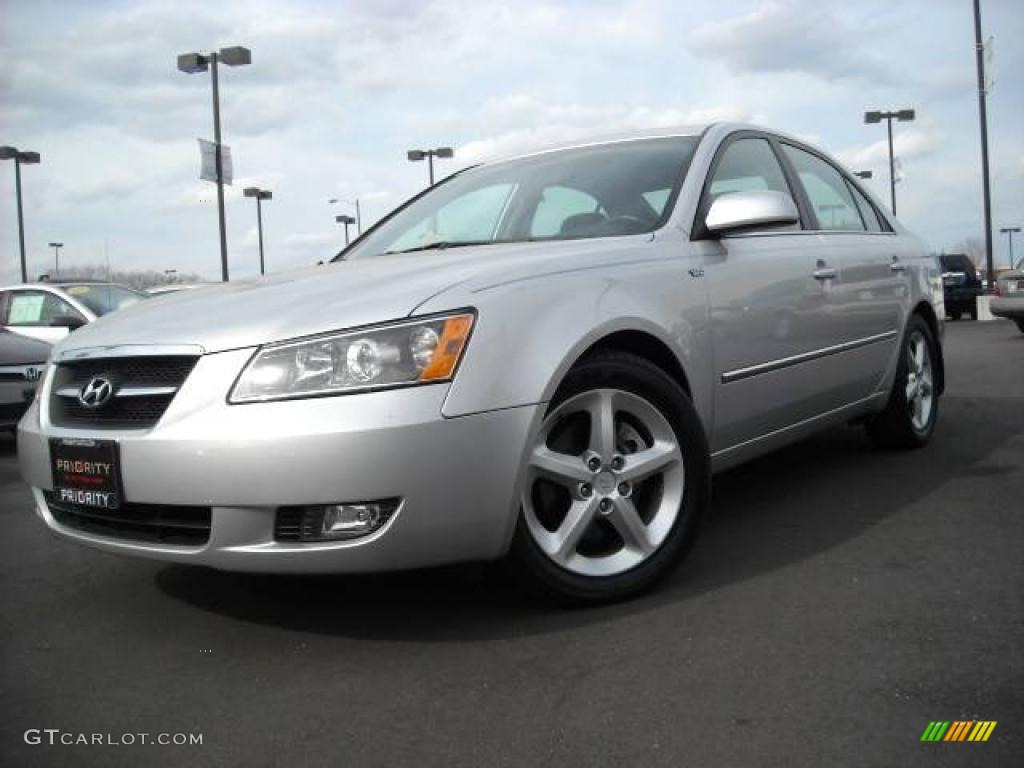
909,416
615,482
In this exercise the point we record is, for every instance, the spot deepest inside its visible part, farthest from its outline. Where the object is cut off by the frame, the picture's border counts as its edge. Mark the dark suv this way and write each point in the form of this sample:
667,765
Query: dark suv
961,285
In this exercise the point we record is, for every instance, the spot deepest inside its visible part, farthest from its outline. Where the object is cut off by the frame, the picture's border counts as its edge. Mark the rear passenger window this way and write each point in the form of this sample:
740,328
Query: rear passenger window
867,210
827,191
26,308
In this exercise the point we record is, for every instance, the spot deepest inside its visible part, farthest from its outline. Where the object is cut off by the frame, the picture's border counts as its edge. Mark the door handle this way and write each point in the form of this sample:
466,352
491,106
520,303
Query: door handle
824,273
896,266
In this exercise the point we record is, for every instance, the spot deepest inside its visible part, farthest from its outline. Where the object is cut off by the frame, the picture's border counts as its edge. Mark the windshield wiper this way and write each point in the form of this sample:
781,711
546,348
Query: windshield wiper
440,245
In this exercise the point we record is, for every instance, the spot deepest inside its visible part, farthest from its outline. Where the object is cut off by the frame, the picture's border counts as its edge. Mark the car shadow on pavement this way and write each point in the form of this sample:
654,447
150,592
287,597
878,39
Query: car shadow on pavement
775,511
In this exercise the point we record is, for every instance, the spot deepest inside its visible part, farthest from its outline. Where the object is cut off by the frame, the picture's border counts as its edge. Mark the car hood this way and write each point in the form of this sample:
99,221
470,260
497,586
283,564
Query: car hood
21,350
334,296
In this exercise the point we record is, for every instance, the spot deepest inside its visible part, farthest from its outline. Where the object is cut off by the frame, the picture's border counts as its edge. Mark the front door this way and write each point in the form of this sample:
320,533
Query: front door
772,302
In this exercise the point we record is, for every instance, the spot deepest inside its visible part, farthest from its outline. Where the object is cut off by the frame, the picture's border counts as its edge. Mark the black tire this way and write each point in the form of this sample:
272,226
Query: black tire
617,370
1020,325
894,427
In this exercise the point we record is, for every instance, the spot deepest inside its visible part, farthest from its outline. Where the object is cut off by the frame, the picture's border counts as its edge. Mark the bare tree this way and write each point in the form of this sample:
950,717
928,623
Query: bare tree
140,279
974,247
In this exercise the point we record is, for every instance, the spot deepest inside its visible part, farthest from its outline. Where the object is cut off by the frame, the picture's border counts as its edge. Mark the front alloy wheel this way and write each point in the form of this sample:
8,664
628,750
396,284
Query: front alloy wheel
604,484
614,482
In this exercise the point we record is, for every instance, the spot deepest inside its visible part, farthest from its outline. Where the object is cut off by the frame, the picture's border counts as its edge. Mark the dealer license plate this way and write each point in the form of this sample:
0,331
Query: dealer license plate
86,472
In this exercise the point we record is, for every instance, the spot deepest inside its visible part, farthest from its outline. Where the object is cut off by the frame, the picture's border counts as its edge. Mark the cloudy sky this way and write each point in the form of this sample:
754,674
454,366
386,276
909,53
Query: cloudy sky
337,92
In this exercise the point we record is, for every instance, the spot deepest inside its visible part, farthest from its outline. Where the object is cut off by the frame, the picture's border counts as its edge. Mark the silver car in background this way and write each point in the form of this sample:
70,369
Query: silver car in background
545,358
22,361
1008,301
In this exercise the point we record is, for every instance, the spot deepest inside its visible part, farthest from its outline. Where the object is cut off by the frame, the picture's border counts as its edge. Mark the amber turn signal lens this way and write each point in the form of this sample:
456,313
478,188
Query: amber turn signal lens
449,348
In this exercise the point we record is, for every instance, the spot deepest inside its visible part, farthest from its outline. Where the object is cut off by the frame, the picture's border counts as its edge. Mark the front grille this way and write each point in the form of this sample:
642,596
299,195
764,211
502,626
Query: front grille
153,523
125,373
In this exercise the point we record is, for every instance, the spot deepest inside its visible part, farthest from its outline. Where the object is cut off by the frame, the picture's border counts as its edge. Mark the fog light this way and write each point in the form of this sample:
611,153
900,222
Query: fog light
350,519
332,522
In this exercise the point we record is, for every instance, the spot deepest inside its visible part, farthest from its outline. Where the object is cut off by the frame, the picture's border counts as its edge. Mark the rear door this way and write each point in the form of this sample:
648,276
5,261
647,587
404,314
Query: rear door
770,314
870,291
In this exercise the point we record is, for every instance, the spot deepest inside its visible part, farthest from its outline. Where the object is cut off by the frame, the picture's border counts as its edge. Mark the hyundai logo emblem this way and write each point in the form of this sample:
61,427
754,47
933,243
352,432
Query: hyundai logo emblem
96,392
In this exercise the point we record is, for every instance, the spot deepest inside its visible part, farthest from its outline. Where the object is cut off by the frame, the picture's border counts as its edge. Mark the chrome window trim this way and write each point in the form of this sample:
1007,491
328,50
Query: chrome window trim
785,362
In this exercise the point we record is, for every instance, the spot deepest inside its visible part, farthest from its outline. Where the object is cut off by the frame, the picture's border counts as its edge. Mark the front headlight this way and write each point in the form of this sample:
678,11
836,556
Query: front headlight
413,352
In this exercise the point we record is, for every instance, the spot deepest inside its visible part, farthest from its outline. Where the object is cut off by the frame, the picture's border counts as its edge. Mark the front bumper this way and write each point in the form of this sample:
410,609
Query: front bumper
457,477
1008,306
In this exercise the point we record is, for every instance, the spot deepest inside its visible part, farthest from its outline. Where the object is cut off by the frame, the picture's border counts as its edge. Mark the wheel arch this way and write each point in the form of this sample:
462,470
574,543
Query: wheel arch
645,345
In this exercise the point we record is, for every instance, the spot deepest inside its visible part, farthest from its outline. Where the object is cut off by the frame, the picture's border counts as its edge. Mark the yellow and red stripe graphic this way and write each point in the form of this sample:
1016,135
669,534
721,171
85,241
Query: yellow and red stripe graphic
958,730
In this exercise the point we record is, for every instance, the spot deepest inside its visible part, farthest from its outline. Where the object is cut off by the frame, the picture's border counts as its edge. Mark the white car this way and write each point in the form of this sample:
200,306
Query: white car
50,311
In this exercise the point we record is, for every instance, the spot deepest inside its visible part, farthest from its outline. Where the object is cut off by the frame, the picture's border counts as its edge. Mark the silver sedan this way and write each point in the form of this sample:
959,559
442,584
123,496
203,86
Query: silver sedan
545,358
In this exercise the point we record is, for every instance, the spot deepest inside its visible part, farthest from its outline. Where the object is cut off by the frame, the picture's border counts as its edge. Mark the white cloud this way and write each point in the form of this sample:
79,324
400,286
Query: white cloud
338,90
786,36
907,145
523,123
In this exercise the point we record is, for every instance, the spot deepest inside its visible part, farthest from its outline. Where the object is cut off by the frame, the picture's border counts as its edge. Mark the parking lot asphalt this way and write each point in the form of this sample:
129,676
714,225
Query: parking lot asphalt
840,599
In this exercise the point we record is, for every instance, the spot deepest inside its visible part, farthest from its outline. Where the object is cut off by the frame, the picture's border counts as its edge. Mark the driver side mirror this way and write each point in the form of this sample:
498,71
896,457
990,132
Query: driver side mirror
71,322
740,210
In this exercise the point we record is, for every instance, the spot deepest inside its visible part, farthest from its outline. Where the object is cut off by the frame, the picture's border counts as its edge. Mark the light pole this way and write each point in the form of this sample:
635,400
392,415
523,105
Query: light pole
354,203
416,155
979,60
56,258
28,158
1009,233
346,220
260,195
191,63
863,174
903,116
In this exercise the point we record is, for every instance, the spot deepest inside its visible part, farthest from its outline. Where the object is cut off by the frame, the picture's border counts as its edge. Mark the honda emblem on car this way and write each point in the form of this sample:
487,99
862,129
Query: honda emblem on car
96,392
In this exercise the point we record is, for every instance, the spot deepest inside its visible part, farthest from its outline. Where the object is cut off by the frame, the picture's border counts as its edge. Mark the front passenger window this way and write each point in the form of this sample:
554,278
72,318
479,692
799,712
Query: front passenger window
746,165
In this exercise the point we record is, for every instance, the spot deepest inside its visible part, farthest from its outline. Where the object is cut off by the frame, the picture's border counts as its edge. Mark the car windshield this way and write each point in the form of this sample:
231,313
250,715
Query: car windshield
101,299
603,190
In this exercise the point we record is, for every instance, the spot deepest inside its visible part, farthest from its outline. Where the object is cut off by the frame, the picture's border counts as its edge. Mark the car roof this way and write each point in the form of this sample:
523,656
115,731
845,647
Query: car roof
16,349
603,138
720,129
